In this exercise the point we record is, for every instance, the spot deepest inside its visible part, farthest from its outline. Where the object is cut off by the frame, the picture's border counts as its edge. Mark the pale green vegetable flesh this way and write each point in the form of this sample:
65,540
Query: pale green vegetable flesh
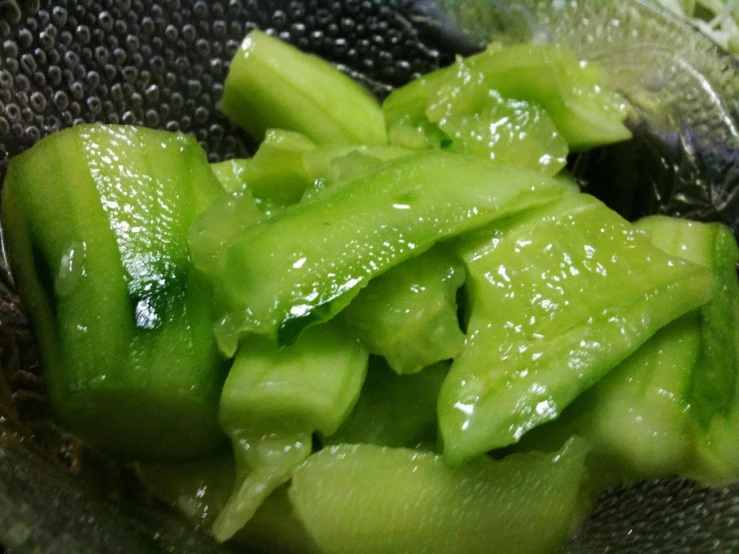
394,410
264,462
276,176
311,385
200,489
409,314
480,91
226,218
306,265
713,385
272,402
272,85
713,393
559,297
364,498
637,418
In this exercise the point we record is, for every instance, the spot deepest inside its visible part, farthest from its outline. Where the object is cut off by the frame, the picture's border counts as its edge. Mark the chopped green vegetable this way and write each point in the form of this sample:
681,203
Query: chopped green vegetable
273,400
638,417
394,410
200,489
365,498
275,176
272,85
559,296
311,385
409,314
223,220
307,264
483,116
713,384
263,463
96,219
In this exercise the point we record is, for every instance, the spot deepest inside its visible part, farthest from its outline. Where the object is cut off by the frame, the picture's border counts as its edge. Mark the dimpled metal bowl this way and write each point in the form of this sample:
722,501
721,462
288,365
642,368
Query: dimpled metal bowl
162,63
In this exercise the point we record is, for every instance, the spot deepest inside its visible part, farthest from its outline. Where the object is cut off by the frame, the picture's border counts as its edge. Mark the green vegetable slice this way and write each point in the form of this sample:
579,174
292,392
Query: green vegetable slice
306,265
469,100
96,219
272,402
272,85
409,314
560,296
394,410
363,498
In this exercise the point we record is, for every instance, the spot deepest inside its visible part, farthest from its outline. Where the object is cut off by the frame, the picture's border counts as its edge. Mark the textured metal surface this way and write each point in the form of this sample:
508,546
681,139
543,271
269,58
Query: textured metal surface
162,64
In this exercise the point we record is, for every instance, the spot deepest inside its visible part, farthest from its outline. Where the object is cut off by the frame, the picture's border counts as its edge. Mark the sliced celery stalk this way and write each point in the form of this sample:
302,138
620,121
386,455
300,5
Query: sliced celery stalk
272,402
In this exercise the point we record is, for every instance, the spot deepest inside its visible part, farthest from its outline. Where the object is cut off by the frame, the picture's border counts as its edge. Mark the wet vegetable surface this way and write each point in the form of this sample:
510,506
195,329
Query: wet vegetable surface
161,64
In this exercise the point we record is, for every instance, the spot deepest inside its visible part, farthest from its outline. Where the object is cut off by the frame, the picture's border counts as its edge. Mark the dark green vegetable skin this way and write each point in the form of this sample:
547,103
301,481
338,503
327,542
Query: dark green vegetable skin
96,219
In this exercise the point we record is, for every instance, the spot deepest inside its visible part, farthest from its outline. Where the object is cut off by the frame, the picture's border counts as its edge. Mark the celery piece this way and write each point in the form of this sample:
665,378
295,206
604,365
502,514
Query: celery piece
263,463
306,265
364,498
272,85
637,417
560,296
224,219
477,120
199,489
409,314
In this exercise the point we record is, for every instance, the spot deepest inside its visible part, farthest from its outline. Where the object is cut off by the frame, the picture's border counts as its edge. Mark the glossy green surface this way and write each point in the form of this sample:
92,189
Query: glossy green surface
394,410
227,217
272,85
637,418
95,220
559,296
272,402
714,382
713,392
409,314
311,385
264,462
275,176
491,105
307,264
363,498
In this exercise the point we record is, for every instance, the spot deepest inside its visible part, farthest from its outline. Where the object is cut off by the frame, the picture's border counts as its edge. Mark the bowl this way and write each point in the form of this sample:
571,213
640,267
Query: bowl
162,63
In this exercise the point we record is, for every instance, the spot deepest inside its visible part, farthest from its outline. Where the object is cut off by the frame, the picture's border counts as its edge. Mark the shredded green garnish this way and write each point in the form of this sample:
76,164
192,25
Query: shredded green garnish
719,19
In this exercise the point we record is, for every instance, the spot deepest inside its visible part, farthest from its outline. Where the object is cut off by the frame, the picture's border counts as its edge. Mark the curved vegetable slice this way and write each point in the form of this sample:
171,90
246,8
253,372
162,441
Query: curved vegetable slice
307,264
272,85
96,220
363,498
560,296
